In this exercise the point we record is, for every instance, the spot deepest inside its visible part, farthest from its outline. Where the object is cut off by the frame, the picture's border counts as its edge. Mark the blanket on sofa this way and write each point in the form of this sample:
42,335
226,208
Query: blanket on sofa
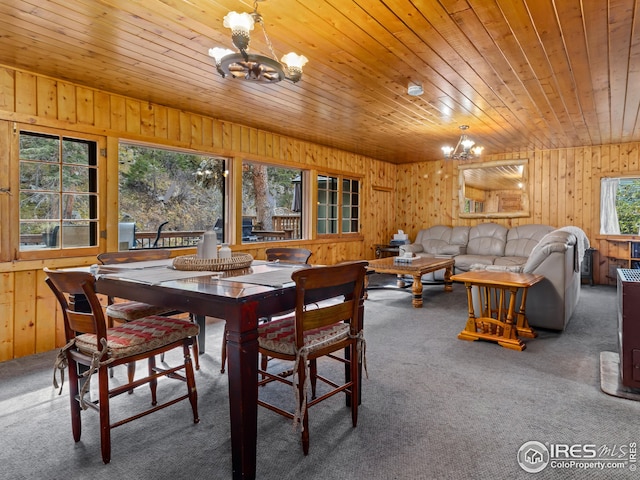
582,243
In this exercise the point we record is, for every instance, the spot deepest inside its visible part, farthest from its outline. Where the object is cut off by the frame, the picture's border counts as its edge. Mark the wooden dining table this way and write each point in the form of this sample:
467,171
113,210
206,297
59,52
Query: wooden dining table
228,295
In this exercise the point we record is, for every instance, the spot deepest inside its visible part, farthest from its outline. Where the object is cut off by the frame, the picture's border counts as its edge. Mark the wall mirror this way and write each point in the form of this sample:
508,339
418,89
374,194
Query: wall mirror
497,189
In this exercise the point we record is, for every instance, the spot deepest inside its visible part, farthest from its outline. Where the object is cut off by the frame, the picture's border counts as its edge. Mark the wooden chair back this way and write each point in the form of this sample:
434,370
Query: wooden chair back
288,255
72,289
314,286
111,258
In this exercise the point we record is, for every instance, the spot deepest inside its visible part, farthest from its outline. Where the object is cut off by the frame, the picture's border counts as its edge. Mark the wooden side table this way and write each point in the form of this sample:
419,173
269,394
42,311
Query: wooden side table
498,319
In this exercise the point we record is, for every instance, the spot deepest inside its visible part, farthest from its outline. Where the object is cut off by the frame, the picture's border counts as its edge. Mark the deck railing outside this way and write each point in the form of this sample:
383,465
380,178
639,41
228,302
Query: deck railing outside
285,227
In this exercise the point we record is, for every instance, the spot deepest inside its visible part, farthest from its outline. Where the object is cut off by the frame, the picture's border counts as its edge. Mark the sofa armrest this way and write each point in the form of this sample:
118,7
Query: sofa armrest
556,241
413,248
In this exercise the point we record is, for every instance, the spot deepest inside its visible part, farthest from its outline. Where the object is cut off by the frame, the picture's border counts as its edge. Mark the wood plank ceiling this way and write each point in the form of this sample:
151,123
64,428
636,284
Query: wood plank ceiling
521,73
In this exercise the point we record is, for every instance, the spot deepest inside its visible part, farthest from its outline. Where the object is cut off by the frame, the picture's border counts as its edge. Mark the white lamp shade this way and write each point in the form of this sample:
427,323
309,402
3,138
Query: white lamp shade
477,151
219,52
238,21
293,60
467,144
447,150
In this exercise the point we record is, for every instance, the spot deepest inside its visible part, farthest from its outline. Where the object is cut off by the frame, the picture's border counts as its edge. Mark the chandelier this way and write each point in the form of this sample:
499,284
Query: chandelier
251,66
464,149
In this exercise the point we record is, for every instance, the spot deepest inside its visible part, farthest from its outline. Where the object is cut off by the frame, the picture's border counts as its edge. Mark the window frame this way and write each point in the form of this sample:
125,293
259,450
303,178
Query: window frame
340,178
226,190
100,189
305,174
600,178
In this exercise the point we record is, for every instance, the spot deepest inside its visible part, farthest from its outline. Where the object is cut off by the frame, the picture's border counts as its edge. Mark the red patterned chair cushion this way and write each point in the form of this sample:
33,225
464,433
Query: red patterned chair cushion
127,311
139,336
279,335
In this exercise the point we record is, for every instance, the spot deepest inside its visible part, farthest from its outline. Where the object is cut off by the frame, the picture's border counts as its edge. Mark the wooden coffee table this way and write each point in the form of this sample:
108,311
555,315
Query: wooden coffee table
498,319
416,268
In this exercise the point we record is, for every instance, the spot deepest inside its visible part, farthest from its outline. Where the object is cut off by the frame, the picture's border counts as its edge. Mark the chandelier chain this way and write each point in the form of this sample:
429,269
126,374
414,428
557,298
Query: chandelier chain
264,30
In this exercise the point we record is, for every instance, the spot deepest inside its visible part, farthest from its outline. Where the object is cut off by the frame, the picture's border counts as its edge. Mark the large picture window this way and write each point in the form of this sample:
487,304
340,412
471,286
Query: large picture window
338,205
168,198
58,192
271,202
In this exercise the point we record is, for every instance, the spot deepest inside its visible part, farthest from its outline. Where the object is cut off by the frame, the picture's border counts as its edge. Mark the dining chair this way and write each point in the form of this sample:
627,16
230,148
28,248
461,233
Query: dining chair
326,320
130,310
125,311
92,347
290,255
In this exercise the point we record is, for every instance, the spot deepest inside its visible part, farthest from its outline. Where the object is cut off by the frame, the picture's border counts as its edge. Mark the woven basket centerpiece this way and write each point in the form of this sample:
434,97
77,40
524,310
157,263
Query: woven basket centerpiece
191,262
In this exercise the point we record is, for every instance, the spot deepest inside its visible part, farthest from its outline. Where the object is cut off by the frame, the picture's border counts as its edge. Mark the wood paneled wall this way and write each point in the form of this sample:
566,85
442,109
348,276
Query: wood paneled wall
29,317
564,190
564,187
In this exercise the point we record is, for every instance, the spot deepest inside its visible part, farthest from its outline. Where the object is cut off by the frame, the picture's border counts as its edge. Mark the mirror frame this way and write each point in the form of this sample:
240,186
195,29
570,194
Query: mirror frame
525,212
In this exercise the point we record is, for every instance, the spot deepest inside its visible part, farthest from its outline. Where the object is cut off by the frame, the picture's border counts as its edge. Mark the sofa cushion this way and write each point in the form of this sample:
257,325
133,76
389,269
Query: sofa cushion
439,240
434,239
487,239
510,261
522,239
464,262
452,250
460,238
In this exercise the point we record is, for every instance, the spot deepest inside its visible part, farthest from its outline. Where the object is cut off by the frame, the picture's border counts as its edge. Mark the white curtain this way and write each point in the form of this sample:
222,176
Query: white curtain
608,214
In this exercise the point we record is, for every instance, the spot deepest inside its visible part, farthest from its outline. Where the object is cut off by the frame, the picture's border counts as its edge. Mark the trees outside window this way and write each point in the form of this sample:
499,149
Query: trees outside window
620,206
271,202
183,191
628,205
58,192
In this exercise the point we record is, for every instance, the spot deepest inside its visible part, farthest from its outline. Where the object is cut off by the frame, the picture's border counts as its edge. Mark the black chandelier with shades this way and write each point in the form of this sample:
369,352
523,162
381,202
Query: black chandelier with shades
465,148
253,66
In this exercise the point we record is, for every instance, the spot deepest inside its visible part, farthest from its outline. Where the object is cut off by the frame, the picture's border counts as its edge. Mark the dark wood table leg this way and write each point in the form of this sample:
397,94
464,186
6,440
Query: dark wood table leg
347,356
242,354
200,320
366,284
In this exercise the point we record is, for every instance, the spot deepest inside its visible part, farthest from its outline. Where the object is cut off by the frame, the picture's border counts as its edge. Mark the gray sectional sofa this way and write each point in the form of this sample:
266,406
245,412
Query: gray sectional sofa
554,253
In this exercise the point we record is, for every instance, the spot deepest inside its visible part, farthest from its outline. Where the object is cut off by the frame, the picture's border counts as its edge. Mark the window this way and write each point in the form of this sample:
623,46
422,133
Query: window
58,192
168,198
472,206
620,206
271,202
334,216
